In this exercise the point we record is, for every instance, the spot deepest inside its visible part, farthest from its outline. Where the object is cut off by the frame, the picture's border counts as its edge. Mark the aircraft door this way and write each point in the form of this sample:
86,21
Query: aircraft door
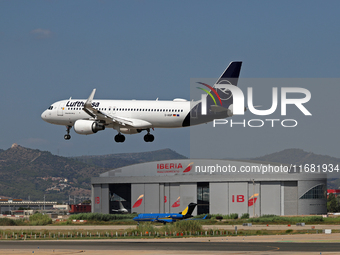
60,109
194,112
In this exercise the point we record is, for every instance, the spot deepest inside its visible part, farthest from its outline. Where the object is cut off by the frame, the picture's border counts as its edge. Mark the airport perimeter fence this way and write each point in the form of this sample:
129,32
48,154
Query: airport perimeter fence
63,235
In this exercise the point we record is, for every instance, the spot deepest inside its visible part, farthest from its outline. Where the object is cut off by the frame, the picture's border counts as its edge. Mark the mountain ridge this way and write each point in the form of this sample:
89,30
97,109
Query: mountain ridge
30,172
297,157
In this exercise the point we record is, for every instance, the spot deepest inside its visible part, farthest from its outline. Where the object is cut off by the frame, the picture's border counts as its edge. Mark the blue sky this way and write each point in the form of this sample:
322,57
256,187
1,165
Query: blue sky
51,50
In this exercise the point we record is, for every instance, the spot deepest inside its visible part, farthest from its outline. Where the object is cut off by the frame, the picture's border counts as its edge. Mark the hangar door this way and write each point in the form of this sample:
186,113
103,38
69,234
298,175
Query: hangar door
145,198
270,198
120,193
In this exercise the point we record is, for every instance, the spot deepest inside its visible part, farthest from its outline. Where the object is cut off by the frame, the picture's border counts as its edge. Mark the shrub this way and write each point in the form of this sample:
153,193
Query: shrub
40,219
183,226
245,216
7,222
268,216
145,227
216,216
286,220
315,219
233,216
101,216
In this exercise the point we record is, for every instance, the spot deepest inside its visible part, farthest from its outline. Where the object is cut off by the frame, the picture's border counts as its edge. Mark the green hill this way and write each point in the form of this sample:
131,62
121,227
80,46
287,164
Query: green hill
32,173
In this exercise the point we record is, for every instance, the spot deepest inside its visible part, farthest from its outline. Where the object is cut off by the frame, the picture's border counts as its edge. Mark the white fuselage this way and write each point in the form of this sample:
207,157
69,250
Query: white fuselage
161,114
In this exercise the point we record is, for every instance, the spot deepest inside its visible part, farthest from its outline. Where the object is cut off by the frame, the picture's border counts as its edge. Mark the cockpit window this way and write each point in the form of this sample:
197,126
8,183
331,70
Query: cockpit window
50,108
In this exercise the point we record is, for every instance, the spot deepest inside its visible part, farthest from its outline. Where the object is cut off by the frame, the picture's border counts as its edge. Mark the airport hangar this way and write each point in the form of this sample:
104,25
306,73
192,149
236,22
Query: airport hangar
217,186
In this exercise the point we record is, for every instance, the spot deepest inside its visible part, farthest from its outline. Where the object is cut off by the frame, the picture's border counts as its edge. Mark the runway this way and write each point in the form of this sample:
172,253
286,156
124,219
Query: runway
171,246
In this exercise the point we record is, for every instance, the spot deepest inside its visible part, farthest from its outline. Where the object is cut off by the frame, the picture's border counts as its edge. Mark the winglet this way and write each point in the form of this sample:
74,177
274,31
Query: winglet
88,105
89,100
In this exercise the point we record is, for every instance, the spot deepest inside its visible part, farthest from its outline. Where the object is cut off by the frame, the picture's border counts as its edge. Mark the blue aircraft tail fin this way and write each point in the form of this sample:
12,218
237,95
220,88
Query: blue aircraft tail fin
231,74
222,98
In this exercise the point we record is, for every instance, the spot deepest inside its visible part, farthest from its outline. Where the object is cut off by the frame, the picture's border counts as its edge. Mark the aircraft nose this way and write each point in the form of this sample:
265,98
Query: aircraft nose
44,115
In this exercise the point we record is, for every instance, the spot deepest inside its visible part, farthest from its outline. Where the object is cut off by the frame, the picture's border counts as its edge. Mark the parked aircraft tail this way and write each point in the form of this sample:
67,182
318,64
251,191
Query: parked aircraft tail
187,212
121,206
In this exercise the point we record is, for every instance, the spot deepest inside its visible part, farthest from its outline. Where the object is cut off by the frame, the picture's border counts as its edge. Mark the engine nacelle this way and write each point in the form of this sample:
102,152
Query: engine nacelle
130,131
87,127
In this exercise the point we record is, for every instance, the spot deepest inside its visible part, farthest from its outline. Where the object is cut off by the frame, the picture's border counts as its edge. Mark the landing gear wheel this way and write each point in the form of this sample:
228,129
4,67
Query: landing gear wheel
149,138
67,136
119,138
122,138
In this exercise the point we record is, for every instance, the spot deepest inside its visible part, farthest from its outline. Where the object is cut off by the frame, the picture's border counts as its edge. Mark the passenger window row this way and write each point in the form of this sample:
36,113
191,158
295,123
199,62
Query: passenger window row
132,110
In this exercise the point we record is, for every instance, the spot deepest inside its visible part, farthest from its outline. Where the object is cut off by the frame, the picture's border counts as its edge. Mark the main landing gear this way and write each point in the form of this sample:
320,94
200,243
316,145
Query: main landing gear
149,138
119,138
67,136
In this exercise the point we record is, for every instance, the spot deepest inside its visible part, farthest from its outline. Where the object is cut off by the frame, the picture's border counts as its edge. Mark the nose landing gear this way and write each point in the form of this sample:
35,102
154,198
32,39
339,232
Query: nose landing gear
67,136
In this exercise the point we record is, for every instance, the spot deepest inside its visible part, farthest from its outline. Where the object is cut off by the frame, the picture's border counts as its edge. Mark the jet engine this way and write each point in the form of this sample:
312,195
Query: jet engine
87,127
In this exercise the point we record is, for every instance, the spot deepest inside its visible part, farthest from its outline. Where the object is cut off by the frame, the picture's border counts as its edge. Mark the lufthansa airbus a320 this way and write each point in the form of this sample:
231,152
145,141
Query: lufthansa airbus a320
134,116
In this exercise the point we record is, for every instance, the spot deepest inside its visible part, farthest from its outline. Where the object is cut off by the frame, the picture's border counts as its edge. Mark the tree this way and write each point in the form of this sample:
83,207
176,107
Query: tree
332,205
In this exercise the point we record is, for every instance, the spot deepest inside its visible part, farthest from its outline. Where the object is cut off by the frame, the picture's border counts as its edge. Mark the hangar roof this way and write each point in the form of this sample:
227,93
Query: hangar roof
200,170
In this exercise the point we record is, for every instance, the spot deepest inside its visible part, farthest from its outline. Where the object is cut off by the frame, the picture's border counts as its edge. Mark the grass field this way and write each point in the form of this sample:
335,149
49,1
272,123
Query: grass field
126,219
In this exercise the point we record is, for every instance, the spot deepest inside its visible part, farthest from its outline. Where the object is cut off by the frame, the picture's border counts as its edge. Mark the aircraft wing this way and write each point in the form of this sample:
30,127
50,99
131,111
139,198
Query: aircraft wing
204,218
94,113
122,121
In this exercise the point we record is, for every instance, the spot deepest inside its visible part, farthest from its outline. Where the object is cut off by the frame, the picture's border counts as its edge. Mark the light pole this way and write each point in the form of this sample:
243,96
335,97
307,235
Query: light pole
253,198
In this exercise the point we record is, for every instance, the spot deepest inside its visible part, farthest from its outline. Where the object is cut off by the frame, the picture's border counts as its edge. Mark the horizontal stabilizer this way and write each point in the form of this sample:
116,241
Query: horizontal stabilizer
218,109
